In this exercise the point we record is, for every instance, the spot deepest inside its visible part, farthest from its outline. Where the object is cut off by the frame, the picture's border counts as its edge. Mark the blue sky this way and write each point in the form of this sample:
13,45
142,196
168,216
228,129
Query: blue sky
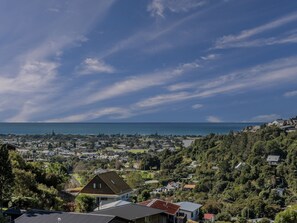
148,61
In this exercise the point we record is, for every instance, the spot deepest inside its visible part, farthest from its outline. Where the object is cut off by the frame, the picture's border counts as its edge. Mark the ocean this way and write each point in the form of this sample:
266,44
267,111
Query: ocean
121,128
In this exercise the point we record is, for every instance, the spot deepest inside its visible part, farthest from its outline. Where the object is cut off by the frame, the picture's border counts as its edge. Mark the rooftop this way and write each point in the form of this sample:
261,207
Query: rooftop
167,207
273,158
113,204
189,206
36,216
130,211
106,183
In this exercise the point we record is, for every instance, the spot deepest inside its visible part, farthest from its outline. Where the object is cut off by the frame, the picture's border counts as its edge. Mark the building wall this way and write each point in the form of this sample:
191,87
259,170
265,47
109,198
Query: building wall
106,199
153,219
191,215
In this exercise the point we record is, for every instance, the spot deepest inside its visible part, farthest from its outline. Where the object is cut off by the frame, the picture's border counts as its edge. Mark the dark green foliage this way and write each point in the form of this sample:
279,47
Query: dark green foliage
84,203
223,217
149,162
2,219
287,216
37,185
134,179
6,175
233,175
144,195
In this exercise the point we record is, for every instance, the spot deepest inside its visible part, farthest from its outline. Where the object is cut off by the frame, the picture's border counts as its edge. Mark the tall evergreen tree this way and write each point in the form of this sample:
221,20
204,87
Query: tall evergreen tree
6,175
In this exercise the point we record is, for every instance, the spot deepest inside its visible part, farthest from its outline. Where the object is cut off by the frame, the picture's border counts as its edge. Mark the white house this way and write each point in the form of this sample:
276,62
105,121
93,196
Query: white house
190,209
273,160
106,188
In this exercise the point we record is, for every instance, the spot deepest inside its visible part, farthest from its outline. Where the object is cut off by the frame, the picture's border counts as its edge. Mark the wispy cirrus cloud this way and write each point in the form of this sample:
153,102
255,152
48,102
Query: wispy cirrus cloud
91,115
157,8
265,118
31,80
275,72
211,56
140,82
213,119
260,42
290,94
197,106
239,39
93,66
162,99
121,88
256,77
152,34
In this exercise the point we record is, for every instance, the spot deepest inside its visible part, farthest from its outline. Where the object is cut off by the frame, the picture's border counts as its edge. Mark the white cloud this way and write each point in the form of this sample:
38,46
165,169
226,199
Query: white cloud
95,65
137,83
290,93
257,77
162,99
30,84
213,119
284,39
181,86
157,8
265,118
197,106
91,115
150,34
33,77
210,57
233,40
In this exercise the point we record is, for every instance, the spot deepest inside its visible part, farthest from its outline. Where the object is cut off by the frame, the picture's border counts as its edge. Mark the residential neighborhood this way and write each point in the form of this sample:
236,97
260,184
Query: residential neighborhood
149,178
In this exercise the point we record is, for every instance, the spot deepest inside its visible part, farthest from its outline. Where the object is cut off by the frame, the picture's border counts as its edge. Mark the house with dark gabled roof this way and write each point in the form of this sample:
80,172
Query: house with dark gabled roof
106,188
135,213
37,216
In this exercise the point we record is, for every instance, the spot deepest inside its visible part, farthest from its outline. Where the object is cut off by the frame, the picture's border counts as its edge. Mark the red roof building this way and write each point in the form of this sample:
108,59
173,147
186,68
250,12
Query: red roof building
209,217
167,207
172,210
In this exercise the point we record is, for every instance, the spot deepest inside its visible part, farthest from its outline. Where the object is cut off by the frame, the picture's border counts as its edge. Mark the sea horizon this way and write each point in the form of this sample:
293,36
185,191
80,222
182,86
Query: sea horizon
124,128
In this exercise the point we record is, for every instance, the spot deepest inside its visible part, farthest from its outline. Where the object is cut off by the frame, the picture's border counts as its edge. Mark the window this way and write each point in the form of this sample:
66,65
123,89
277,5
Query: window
94,185
103,198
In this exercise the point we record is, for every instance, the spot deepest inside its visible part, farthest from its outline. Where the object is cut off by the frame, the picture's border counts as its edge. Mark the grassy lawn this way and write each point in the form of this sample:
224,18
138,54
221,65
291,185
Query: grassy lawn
136,151
147,174
77,177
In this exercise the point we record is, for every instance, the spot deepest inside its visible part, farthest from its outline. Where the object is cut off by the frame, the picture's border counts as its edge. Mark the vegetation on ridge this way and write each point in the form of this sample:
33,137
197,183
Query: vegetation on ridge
231,174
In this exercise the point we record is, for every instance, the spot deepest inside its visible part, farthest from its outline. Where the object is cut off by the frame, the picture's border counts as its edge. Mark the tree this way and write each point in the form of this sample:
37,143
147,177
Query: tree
6,175
145,195
134,179
223,216
287,216
2,219
148,162
241,220
84,203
